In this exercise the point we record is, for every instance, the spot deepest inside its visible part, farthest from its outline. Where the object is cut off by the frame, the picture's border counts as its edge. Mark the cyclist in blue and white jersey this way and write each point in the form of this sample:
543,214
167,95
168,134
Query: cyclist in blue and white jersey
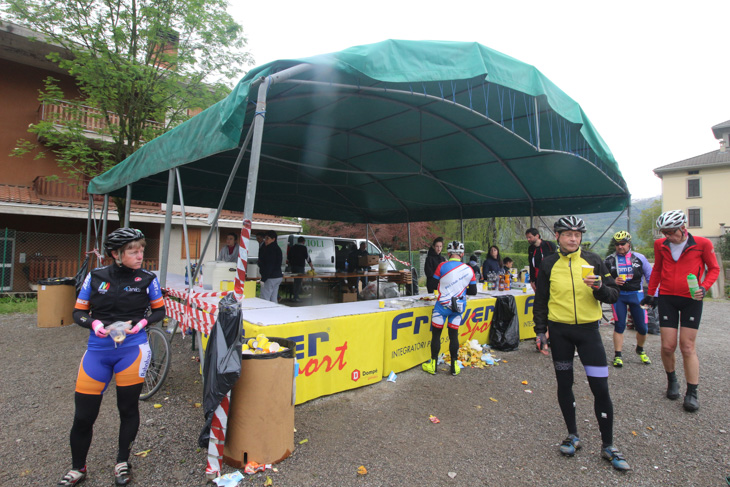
455,280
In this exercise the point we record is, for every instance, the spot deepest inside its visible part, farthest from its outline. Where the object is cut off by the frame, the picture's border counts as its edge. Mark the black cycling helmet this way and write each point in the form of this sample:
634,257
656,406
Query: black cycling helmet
120,237
570,223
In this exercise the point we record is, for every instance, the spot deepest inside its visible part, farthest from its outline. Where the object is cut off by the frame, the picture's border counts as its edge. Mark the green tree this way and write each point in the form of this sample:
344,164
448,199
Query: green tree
140,66
645,224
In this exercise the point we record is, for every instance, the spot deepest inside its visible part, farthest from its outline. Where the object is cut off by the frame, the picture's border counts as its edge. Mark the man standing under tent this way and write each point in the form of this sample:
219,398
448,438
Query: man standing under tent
678,258
536,252
455,280
270,258
568,304
298,256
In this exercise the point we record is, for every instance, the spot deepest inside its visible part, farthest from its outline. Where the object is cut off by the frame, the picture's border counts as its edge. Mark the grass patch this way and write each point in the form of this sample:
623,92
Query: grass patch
18,304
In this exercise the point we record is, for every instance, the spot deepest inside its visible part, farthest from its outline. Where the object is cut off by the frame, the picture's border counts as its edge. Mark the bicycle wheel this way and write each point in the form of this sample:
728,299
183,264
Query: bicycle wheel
159,363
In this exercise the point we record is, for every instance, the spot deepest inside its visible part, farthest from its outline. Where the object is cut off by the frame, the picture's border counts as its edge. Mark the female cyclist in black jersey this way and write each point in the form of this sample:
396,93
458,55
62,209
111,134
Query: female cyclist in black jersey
120,292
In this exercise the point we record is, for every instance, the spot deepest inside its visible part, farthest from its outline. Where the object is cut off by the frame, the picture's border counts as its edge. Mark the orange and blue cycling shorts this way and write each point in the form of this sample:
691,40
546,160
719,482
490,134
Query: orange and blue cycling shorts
128,364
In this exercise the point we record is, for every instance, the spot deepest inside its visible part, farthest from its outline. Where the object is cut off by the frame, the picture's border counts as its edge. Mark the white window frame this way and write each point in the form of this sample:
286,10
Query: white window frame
699,187
688,217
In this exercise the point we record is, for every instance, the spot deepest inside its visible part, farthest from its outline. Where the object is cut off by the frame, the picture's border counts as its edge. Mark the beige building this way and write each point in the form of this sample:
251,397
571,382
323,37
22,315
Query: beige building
699,186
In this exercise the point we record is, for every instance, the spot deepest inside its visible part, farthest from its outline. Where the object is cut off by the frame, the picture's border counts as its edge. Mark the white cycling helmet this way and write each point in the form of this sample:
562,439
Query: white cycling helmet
671,219
455,247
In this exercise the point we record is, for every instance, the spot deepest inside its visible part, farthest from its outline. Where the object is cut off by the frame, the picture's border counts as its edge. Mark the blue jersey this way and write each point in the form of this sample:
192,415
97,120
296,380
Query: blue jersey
453,278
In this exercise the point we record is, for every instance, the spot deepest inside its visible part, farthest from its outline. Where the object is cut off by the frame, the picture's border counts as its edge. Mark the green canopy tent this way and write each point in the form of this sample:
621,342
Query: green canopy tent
397,131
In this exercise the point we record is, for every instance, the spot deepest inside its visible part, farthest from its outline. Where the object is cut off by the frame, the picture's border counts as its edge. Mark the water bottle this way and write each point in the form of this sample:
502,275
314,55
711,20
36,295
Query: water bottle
692,284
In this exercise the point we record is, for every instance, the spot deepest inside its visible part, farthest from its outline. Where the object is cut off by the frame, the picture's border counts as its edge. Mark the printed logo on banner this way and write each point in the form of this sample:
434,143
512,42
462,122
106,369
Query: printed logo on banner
103,287
314,364
355,375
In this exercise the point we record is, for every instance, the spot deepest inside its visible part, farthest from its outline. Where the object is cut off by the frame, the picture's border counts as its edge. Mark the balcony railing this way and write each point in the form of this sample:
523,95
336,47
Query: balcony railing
61,112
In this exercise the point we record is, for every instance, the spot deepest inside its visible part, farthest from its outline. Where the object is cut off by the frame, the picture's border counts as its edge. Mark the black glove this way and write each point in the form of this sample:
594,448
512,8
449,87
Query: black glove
649,301
541,342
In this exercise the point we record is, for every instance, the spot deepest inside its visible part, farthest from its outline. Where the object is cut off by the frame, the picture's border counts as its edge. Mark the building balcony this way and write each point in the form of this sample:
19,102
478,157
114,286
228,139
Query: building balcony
92,121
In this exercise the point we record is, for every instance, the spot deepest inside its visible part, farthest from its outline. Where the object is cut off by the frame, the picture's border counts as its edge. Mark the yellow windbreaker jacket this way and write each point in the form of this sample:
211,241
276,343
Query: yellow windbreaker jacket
563,297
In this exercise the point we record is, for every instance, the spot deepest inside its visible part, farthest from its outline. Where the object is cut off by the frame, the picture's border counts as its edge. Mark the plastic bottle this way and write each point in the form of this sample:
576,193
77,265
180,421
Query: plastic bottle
506,282
501,284
692,284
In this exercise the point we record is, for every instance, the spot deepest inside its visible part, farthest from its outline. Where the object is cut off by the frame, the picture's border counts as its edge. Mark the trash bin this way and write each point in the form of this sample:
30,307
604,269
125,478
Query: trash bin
56,298
261,413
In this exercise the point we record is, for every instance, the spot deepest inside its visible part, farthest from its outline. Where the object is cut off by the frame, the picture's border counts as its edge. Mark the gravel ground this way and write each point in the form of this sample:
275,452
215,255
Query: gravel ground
491,433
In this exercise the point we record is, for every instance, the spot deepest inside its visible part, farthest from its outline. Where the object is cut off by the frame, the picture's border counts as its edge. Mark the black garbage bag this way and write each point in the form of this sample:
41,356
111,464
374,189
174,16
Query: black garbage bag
653,321
504,334
222,364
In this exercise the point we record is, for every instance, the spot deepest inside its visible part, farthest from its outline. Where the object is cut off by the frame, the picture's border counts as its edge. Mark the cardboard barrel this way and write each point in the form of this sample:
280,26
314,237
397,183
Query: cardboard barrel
56,299
261,414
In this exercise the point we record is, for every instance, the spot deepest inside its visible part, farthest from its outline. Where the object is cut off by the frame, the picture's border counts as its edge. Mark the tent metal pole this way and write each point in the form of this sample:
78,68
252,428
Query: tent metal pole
168,226
128,205
532,214
410,257
104,213
229,183
189,269
258,132
537,128
462,230
628,216
253,170
88,224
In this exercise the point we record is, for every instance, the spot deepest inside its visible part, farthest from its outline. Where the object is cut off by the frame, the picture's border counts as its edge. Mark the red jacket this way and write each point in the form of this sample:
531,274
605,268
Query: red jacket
671,276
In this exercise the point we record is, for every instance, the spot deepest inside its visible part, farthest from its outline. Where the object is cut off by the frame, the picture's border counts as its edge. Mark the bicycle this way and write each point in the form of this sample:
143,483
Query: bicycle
159,362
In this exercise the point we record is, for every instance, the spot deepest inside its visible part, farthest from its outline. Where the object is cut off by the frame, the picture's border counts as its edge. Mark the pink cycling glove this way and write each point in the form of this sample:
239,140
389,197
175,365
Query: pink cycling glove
99,329
138,327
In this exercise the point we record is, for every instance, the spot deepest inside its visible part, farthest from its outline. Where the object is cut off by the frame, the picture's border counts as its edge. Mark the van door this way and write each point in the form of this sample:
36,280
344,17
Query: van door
321,251
343,247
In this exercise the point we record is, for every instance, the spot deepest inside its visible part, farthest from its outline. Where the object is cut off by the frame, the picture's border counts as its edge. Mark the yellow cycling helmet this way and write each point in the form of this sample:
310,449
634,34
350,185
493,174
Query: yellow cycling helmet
622,236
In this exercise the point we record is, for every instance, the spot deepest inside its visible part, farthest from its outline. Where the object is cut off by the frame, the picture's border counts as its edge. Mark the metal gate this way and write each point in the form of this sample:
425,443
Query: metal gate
7,251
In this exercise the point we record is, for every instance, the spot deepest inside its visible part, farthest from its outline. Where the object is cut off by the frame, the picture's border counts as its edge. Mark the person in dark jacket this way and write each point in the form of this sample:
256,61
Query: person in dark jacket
493,262
474,264
538,250
270,258
298,257
433,259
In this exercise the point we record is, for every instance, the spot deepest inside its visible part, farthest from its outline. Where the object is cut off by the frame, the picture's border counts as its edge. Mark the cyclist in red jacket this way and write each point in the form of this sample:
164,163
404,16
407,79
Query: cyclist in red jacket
676,256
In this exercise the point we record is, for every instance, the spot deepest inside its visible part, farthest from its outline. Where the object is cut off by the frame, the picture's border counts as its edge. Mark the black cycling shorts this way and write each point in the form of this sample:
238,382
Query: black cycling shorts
674,310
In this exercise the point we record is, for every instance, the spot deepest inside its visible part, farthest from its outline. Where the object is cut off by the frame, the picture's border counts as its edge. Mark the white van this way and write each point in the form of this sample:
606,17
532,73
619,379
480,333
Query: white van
321,251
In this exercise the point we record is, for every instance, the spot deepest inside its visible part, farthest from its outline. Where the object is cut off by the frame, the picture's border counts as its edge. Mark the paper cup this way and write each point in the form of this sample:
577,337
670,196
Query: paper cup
381,304
586,270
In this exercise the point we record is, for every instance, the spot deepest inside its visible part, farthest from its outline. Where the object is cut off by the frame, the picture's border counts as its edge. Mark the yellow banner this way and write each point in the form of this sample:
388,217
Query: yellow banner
524,313
408,333
334,354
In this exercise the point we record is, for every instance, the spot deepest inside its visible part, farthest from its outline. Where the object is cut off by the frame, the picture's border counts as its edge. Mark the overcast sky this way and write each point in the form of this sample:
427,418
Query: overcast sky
652,78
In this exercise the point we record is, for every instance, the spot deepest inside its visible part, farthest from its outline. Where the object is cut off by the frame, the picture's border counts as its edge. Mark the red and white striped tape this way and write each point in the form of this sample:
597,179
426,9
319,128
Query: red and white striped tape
184,293
242,262
189,317
393,257
217,438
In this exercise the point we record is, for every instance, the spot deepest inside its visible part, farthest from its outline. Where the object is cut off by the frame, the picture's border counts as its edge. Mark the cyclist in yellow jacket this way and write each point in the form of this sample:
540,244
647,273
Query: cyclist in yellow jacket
571,285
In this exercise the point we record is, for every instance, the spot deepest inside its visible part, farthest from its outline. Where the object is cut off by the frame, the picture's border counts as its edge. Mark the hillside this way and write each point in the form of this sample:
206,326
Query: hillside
597,222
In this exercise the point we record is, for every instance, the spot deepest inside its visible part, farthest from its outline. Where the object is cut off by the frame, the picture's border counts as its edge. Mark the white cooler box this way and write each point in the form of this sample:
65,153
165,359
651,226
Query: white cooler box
215,272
